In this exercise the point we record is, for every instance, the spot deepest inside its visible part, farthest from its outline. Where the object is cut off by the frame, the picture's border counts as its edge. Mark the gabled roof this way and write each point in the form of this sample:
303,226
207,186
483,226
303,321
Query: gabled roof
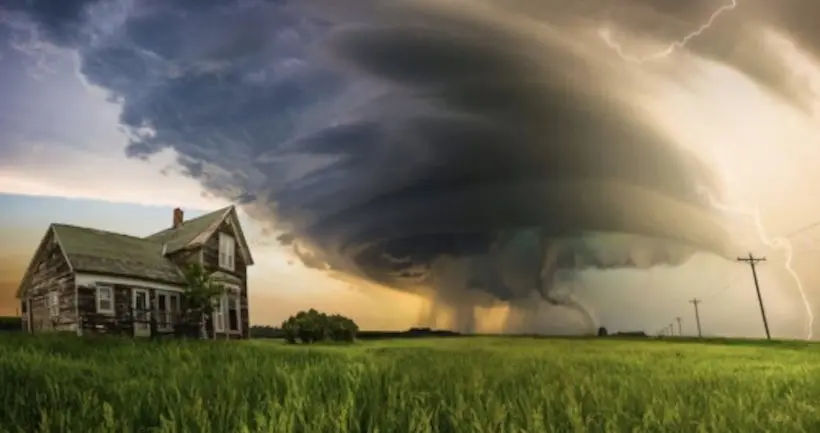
98,251
182,237
42,245
104,252
197,231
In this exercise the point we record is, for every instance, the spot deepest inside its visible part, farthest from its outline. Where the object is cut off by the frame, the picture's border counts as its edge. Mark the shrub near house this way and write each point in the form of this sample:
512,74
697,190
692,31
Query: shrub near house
312,326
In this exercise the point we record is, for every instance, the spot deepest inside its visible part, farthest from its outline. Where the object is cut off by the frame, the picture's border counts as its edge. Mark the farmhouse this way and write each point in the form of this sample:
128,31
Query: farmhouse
86,280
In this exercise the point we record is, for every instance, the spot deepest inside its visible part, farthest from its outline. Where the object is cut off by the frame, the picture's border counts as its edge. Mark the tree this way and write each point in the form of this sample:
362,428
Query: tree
602,332
290,329
312,326
342,328
199,296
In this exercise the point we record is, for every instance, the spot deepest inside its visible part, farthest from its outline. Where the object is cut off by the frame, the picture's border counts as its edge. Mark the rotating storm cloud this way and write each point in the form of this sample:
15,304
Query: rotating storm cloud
476,153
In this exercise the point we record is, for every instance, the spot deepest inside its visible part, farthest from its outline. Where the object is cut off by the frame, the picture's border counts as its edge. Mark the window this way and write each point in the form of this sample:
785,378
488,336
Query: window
105,300
226,251
175,303
219,314
226,314
141,309
167,309
54,304
233,312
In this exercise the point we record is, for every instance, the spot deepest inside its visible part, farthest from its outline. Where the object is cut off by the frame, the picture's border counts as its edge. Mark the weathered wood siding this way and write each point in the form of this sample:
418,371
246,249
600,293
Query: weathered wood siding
25,315
210,259
92,321
50,273
124,317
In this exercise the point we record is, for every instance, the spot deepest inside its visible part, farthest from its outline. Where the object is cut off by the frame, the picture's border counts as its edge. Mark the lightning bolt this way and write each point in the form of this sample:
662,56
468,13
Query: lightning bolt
606,36
777,243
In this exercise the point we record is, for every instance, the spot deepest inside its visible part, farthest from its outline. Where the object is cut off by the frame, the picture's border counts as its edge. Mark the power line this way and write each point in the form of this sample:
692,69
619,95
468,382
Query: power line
753,261
803,229
668,330
695,302
728,282
718,293
726,287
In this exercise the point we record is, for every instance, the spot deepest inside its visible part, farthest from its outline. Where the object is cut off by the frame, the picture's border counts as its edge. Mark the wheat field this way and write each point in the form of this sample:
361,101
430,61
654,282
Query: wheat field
481,384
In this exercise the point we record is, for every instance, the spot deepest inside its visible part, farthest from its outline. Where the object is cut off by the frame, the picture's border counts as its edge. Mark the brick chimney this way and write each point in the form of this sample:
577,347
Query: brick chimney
178,217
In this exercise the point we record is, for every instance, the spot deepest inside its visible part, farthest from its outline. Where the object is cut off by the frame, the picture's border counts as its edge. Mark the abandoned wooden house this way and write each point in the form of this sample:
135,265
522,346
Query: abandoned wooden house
86,280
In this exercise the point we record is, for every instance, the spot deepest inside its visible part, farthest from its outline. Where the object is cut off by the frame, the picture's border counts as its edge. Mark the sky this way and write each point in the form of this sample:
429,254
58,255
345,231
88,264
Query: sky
485,165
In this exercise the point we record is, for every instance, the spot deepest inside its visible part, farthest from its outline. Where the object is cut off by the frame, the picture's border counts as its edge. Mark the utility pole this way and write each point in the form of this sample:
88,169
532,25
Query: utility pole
695,302
752,261
680,328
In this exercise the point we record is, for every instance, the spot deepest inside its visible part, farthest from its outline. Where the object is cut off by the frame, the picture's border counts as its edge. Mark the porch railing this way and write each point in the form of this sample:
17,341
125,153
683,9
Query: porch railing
163,320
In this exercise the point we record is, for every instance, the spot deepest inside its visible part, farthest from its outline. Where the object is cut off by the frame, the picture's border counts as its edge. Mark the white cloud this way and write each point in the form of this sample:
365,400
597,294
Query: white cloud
61,172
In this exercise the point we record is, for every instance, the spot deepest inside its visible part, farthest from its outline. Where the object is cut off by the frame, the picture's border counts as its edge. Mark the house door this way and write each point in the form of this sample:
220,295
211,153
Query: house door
142,313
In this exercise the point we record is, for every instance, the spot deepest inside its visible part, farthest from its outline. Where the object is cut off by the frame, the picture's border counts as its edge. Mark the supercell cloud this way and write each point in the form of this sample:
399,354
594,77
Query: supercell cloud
474,152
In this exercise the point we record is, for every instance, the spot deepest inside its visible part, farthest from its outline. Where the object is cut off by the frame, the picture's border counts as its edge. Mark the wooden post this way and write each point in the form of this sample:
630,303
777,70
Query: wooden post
753,261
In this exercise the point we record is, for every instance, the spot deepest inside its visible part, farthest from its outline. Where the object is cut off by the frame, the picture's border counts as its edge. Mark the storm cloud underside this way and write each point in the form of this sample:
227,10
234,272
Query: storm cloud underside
474,153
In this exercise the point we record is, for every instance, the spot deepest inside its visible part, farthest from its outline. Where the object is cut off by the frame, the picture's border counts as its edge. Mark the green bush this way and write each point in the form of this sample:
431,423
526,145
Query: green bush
311,326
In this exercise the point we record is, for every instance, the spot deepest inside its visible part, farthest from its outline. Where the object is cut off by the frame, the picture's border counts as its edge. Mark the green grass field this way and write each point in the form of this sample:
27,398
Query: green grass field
66,384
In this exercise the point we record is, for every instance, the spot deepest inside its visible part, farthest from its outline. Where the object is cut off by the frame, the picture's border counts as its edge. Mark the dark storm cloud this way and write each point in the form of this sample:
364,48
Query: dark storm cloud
735,38
62,22
392,139
738,40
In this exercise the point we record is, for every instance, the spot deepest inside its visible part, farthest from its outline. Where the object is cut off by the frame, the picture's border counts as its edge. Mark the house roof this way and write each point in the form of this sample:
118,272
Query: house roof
104,252
98,251
225,278
179,238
